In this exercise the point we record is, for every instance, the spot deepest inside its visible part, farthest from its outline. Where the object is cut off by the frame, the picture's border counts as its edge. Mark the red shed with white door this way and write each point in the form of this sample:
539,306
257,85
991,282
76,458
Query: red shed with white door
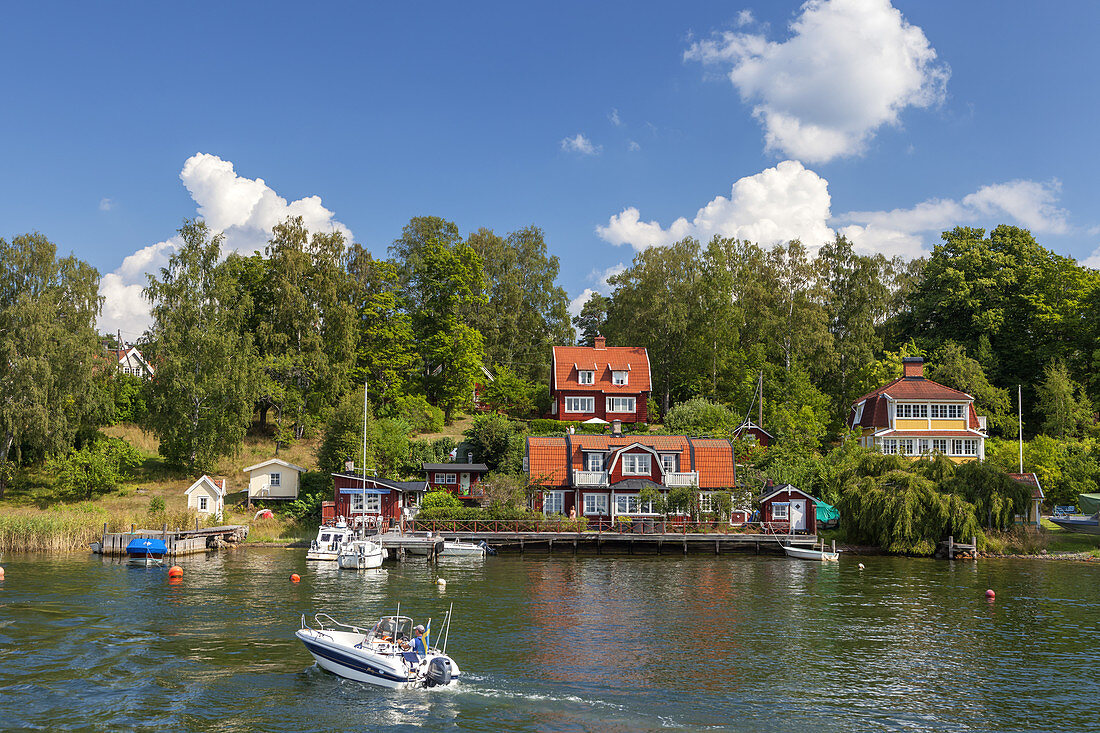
787,510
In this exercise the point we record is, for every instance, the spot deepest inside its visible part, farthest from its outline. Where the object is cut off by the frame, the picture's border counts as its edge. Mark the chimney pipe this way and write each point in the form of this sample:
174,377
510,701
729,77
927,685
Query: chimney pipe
913,367
469,456
617,428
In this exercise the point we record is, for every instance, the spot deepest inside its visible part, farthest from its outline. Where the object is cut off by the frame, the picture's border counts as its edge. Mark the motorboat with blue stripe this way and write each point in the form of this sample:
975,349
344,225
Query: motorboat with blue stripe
384,654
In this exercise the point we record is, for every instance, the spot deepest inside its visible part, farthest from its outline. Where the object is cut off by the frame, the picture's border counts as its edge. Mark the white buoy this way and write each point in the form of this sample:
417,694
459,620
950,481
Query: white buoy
441,583
861,566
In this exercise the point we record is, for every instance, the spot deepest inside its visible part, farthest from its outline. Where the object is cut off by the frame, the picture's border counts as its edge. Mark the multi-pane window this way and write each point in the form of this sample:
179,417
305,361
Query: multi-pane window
595,503
948,412
964,447
586,377
780,509
668,462
889,446
202,503
923,446
636,464
905,409
446,478
580,404
906,446
629,504
275,479
621,404
706,501
939,445
593,461
553,502
619,378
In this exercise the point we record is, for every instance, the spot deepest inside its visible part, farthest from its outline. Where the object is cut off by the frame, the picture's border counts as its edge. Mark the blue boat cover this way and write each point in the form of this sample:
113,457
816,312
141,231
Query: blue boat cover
141,546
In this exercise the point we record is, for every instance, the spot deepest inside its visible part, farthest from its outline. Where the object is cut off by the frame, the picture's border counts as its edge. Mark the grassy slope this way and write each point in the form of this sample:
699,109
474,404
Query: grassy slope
32,509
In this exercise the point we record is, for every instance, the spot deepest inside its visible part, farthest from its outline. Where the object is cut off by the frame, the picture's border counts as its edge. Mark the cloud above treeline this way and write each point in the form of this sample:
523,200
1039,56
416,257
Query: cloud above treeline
581,145
848,68
243,209
791,201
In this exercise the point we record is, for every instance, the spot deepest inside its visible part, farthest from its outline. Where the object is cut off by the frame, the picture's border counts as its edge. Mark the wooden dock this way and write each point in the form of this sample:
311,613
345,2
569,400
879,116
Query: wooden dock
631,544
951,549
179,542
401,546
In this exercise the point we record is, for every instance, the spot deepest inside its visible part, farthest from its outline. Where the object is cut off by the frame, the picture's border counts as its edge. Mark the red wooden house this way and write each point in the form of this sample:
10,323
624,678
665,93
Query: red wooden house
371,498
787,510
605,382
461,479
750,431
601,476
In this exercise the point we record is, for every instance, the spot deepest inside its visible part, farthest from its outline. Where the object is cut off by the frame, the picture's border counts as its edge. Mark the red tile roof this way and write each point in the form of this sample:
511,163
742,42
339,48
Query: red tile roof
568,360
713,457
917,388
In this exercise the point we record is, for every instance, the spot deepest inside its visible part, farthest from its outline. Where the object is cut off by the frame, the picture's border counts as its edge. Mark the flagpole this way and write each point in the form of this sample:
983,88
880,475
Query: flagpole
1020,417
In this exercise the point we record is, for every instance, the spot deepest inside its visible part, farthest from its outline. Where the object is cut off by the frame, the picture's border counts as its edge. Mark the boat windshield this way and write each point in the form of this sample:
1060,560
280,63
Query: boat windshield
387,626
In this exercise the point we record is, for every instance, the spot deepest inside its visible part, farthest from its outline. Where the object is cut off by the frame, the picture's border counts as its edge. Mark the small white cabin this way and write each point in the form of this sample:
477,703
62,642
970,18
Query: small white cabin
207,496
273,479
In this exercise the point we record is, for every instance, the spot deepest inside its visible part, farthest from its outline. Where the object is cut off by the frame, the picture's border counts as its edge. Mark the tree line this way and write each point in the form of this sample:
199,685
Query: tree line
284,337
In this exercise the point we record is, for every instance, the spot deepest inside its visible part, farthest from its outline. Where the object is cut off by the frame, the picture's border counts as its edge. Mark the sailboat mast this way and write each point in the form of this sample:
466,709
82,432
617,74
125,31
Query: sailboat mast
1020,417
364,457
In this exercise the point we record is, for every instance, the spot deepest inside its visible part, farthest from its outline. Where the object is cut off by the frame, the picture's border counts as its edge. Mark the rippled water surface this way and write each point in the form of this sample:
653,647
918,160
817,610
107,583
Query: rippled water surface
559,643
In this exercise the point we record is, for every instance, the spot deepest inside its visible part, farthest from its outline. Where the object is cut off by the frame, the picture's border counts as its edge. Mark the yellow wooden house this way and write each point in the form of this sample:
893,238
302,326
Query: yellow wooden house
914,416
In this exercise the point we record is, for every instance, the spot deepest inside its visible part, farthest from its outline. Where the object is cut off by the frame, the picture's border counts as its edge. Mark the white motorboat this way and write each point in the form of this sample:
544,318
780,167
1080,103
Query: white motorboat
361,555
330,538
457,548
381,655
803,553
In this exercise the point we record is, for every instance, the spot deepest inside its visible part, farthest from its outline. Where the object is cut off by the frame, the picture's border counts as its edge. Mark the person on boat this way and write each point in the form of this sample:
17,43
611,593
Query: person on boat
418,644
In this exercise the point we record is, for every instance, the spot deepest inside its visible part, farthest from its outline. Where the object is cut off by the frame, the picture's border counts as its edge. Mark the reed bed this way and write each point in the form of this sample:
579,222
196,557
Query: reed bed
69,528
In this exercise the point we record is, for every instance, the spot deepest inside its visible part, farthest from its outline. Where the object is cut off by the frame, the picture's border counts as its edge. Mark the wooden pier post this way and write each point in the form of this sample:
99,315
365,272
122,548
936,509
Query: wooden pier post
103,541
950,547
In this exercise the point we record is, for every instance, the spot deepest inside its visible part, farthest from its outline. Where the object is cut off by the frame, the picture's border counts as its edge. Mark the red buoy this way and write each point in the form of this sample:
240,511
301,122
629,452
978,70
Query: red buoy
175,572
294,578
990,595
1,573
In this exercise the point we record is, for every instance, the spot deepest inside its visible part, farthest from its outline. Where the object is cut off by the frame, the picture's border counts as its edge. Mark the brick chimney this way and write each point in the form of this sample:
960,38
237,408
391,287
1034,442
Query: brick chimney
913,367
601,342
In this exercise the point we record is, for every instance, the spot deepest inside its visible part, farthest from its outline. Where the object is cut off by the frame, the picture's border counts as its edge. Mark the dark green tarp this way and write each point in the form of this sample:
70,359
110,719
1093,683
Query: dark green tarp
1089,503
826,513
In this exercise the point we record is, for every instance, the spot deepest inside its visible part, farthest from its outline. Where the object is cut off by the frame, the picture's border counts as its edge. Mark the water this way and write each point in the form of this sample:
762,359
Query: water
559,644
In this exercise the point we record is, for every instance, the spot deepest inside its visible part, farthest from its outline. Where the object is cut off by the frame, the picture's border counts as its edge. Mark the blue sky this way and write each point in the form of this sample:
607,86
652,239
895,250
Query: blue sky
886,122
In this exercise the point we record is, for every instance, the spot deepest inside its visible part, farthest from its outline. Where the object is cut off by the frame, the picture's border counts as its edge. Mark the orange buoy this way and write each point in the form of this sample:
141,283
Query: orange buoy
990,595
294,578
176,580
175,572
1,573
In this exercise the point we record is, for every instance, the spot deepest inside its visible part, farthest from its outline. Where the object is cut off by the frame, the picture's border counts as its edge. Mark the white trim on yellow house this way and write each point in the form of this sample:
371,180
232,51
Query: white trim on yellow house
273,479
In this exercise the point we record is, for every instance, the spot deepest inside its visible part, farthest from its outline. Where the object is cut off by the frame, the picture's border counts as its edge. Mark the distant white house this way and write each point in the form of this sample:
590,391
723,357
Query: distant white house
207,496
273,479
128,360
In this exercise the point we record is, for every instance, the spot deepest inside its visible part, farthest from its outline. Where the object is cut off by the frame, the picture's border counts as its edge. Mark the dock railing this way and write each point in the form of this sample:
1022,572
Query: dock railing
633,525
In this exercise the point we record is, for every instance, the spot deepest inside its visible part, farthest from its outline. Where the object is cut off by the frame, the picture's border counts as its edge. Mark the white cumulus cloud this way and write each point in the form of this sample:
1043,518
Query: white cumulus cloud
1093,260
776,205
580,144
848,68
244,209
106,204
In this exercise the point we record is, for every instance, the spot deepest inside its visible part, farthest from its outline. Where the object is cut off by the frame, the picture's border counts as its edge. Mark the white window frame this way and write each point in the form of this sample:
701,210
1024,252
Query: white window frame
924,446
630,504
622,404
911,410
939,445
373,504
706,501
785,506
445,478
580,404
202,503
633,463
274,479
949,412
595,504
356,503
586,376
620,378
890,446
668,462
905,446
553,502
594,461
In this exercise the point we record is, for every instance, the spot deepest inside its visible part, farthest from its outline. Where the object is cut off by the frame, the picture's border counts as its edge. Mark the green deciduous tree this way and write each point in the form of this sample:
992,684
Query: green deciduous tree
201,398
1062,402
52,374
952,367
700,417
592,319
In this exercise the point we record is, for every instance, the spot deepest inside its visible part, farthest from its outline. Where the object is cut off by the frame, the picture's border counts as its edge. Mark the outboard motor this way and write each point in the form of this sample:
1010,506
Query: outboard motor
488,550
438,672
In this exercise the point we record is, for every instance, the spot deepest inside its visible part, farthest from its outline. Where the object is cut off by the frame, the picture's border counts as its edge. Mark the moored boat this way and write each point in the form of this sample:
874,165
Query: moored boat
1079,523
382,655
146,552
361,555
805,553
458,548
330,538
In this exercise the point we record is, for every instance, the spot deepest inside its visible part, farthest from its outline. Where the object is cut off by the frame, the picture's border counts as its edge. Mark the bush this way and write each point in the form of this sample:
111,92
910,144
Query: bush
97,468
416,412
156,505
552,427
313,490
700,417
439,500
497,442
